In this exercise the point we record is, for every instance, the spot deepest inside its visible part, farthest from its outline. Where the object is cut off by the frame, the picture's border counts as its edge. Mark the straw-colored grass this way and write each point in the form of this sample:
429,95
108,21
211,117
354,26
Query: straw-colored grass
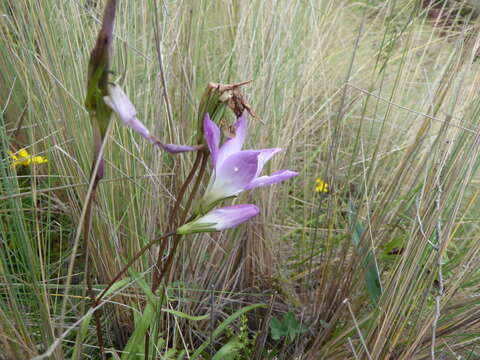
374,97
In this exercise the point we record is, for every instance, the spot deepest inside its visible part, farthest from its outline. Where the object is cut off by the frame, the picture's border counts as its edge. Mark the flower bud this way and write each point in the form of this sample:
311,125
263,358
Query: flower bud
99,69
220,219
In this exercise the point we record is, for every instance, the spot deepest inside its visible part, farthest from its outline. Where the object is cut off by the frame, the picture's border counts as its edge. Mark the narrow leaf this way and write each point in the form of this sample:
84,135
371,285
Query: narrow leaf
186,316
372,277
221,328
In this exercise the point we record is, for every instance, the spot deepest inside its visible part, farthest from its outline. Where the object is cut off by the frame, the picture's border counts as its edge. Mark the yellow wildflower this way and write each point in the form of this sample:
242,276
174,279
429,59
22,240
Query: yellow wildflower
321,186
22,157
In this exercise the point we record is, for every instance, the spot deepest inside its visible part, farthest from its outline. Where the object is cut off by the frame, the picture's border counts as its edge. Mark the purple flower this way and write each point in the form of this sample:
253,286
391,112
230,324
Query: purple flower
236,170
119,102
220,219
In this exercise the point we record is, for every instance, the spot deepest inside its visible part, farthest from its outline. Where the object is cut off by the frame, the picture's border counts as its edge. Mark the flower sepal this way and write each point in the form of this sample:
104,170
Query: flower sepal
205,206
99,70
193,227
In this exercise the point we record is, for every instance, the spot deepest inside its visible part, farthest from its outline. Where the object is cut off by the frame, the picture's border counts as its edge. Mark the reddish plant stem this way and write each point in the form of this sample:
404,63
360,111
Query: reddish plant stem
183,189
158,275
198,181
95,178
203,155
96,301
175,209
176,239
130,263
172,223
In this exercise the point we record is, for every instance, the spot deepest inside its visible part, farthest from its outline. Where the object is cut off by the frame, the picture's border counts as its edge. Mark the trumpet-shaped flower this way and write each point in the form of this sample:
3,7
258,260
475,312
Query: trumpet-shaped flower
220,219
119,102
236,170
22,157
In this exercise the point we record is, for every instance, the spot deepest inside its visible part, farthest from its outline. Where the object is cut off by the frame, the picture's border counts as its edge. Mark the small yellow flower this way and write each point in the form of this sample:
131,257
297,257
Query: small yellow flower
23,153
321,186
22,157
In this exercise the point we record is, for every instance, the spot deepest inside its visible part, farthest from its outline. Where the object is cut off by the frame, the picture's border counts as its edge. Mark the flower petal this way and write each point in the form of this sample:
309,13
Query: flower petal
276,177
231,216
175,149
119,102
234,144
212,137
39,160
23,153
265,155
12,155
138,126
233,176
221,219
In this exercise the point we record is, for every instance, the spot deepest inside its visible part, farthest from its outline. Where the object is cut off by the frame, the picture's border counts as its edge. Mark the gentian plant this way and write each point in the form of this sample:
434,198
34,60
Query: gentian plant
233,170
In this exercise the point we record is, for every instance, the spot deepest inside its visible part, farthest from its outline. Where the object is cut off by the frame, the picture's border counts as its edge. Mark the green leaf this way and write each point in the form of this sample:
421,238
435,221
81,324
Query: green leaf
186,316
392,246
136,343
277,330
288,328
372,277
229,351
181,355
80,336
221,328
86,322
290,321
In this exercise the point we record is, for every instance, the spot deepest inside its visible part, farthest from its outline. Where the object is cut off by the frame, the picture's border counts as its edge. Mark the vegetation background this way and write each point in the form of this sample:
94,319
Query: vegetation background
377,98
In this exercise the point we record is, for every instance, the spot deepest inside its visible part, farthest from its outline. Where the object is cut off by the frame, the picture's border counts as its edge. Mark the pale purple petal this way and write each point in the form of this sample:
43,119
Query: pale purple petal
233,145
137,125
212,137
276,177
119,102
175,149
220,219
235,170
231,216
233,176
265,155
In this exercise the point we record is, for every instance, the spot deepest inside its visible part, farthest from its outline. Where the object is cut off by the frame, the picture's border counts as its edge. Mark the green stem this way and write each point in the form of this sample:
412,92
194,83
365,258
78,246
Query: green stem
88,277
